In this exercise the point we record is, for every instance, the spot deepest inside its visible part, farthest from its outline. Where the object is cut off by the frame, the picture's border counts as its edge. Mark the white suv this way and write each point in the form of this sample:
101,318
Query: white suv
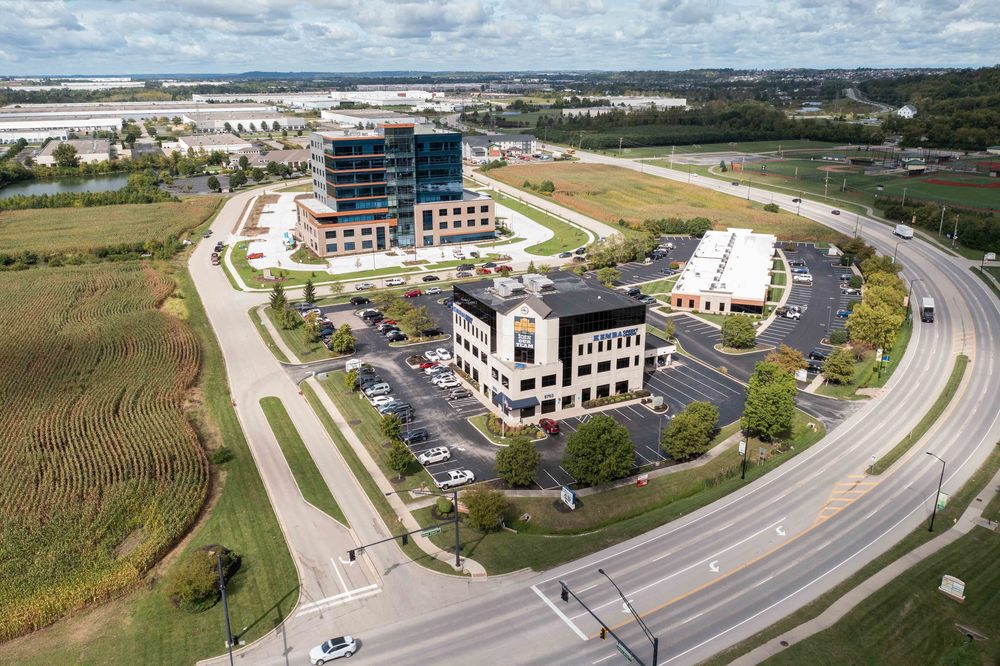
434,455
394,282
455,477
343,646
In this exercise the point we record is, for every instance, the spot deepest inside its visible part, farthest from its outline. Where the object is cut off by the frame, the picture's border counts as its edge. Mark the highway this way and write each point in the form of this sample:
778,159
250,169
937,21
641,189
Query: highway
720,574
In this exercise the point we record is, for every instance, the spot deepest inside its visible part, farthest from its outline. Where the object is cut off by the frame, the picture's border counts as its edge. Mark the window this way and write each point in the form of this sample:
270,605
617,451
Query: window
475,351
442,211
366,231
708,305
621,387
722,307
621,363
585,395
331,247
482,357
457,224
590,347
567,401
496,375
466,345
600,346
528,384
332,233
680,302
528,411
428,225
638,340
366,245
548,406
549,380
484,209
485,222
429,240
475,374
690,302
348,247
604,366
635,360
619,343
348,233
583,370
504,381
456,211
470,210
428,217
579,350
458,338
442,225
604,390
628,342
470,223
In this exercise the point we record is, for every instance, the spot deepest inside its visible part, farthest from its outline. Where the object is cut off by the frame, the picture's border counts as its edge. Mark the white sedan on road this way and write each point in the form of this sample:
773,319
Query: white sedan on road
342,646
434,455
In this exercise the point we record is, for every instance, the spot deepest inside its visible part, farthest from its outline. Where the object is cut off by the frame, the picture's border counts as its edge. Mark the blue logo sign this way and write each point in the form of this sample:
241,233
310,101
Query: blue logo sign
627,333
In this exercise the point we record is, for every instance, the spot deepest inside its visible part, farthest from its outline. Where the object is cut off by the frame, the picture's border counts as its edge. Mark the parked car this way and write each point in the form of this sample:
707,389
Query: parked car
796,200
394,282
378,389
367,312
484,271
551,426
647,300
580,250
448,383
392,405
802,279
390,329
504,267
465,267
490,264
850,291
430,278
796,262
800,271
845,277
434,455
565,255
215,260
736,183
474,254
414,436
843,314
793,312
818,354
396,336
443,354
814,367
454,477
432,355
431,291
359,300
208,232
633,292
463,274
413,293
342,646
458,394
428,364
448,302
361,286
380,400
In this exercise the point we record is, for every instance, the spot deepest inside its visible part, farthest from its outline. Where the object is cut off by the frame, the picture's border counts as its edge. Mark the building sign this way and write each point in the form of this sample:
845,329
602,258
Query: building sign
953,587
627,333
461,313
524,332
568,497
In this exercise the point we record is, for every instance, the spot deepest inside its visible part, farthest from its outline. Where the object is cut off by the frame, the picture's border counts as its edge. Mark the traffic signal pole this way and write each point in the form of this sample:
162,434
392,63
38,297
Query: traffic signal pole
566,593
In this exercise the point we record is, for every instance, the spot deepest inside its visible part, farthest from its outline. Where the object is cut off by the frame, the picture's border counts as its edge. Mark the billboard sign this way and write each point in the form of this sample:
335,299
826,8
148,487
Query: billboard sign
524,332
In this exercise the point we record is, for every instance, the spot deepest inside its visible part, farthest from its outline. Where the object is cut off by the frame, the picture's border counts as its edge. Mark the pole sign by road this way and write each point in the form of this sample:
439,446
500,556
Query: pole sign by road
942,501
885,358
625,652
568,497
743,447
431,532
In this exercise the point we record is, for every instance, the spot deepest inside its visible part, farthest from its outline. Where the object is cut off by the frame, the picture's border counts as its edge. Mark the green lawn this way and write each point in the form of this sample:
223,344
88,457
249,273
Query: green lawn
567,236
266,336
479,422
779,279
774,294
866,371
298,341
601,520
658,287
144,627
743,147
713,318
304,187
311,484
993,270
909,622
304,255
929,419
365,422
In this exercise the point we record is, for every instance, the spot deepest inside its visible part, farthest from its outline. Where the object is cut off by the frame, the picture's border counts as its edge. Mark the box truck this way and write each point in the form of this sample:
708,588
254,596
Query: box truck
927,310
903,231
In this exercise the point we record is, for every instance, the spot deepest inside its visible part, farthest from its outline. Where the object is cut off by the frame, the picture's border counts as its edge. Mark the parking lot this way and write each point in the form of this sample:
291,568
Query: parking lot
635,272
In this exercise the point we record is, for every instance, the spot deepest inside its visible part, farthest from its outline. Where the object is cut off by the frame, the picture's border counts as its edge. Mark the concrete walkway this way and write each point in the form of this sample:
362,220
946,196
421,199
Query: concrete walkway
970,518
279,342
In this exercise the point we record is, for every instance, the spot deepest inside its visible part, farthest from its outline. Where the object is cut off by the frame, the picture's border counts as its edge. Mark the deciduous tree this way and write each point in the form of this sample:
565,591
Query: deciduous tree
787,358
770,403
738,332
65,156
838,368
516,463
343,341
608,276
486,508
399,458
600,451
690,431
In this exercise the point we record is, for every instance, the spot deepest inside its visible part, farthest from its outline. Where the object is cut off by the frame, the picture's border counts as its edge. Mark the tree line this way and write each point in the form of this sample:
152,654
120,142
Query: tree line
979,231
142,188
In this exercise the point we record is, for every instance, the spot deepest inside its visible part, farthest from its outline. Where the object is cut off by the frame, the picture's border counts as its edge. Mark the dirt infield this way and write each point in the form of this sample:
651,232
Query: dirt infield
841,168
959,183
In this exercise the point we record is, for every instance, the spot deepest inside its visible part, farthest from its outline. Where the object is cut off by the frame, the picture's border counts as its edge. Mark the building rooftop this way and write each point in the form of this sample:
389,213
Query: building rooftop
83,146
264,112
735,262
487,139
208,140
564,296
369,113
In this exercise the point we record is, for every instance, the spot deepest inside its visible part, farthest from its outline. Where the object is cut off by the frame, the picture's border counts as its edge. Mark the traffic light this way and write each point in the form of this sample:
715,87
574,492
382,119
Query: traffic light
406,539
564,593
351,556
604,634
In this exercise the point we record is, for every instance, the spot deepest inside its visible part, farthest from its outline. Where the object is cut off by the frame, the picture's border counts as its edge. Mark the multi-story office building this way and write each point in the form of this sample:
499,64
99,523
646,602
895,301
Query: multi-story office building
542,345
399,186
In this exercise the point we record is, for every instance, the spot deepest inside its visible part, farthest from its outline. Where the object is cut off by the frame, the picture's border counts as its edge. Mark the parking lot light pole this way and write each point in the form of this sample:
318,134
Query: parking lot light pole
642,625
930,528
909,293
894,251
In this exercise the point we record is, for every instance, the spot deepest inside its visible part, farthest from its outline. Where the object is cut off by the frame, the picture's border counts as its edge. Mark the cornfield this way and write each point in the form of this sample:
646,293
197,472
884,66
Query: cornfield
101,471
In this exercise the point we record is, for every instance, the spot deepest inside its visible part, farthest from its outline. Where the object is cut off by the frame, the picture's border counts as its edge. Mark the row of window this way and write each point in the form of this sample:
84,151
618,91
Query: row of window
350,247
348,233
605,366
608,345
455,224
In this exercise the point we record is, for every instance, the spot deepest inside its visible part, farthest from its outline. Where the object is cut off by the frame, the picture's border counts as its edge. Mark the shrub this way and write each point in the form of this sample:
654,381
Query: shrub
497,427
674,265
222,455
486,508
516,464
839,336
772,208
444,506
194,584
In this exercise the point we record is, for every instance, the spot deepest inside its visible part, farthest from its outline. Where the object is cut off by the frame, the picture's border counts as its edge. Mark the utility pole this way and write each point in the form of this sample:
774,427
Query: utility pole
671,157
826,185
225,604
941,226
954,234
904,197
620,140
930,528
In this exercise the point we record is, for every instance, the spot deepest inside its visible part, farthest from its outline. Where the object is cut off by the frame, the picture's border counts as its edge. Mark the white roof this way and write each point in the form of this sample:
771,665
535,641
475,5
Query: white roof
735,262
208,140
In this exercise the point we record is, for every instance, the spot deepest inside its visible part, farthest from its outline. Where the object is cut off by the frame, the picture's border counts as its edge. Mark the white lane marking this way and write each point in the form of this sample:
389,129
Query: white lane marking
657,559
761,582
340,577
780,530
693,617
562,616
613,654
713,566
339,602
589,587
348,593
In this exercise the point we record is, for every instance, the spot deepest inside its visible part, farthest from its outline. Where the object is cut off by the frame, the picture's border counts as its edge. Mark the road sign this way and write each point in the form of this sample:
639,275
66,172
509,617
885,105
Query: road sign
990,256
642,480
431,532
568,497
885,358
625,653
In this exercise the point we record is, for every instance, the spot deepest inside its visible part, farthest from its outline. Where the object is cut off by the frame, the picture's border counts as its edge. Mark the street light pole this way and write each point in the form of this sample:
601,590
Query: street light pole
930,528
894,251
454,506
642,625
225,605
941,226
909,293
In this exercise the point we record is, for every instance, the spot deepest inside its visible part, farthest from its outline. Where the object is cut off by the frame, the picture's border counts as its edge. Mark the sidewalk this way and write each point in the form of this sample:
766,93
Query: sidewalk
279,342
471,567
970,518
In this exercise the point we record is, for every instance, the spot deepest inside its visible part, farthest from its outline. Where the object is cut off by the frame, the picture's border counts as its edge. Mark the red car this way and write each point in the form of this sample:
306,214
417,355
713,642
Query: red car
550,426
504,267
483,271
255,255
428,364
413,293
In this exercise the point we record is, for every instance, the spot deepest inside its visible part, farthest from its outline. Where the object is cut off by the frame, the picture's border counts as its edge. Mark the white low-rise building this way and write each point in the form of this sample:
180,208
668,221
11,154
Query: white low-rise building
730,272
368,117
907,111
250,121
498,146
88,151
207,143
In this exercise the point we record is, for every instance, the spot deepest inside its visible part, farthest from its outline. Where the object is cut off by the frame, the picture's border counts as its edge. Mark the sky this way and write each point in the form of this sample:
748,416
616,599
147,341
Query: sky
198,36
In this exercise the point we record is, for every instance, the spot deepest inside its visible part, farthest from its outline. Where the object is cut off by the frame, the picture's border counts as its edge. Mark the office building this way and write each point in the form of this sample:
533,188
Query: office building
498,146
398,186
88,151
543,345
730,272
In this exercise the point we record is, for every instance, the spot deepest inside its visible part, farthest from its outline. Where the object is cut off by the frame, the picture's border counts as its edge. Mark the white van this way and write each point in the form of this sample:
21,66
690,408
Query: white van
803,279
354,364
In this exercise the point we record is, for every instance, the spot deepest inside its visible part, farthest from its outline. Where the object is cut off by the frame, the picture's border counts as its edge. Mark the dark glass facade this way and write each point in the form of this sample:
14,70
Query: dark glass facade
479,310
591,322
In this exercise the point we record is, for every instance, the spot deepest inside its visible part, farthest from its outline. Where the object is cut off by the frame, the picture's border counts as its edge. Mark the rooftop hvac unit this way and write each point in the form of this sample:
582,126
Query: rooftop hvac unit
507,287
535,283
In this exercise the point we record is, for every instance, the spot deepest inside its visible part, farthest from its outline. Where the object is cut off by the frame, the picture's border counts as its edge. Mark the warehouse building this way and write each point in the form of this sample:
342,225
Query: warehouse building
229,143
368,117
251,121
543,345
38,130
730,272
397,186
125,110
88,151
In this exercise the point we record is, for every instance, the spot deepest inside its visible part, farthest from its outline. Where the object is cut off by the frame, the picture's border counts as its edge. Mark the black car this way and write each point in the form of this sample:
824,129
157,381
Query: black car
796,262
580,250
414,436
814,367
465,267
396,336
447,302
796,200
565,255
634,292
818,355
844,277
360,300
430,278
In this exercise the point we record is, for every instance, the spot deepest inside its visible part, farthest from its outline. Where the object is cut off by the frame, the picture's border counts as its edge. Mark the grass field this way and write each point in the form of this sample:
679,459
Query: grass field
744,147
910,622
143,626
567,236
307,475
608,194
866,371
81,230
659,287
298,341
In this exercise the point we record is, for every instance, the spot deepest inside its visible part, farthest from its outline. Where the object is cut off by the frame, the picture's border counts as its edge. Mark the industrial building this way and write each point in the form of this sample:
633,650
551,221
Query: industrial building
498,146
54,127
543,345
730,272
207,143
227,121
290,157
397,186
88,151
368,117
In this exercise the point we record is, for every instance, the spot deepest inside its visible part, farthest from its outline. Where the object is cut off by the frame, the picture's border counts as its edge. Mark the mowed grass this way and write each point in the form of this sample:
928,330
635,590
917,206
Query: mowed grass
311,484
909,622
741,147
608,194
297,340
144,627
567,237
81,230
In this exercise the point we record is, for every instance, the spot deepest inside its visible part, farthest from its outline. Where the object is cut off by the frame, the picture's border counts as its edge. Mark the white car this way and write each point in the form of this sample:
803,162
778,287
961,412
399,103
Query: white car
442,354
441,376
380,400
342,646
455,477
432,355
432,291
378,389
361,286
803,279
448,383
439,371
435,455
394,282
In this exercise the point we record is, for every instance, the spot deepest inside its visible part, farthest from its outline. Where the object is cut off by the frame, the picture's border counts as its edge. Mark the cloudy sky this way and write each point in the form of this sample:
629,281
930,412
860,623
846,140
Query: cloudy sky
141,36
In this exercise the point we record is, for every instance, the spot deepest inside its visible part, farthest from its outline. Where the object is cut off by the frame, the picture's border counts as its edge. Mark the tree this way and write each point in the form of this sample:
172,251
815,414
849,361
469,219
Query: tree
257,174
875,326
486,508
244,162
226,126
264,126
787,358
600,451
309,292
838,367
176,120
65,156
312,325
336,288
272,168
738,332
237,179
342,341
770,403
253,128
608,276
690,431
416,321
722,166
531,266
194,583
277,299
351,380
517,462
213,183
669,328
391,426
399,458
